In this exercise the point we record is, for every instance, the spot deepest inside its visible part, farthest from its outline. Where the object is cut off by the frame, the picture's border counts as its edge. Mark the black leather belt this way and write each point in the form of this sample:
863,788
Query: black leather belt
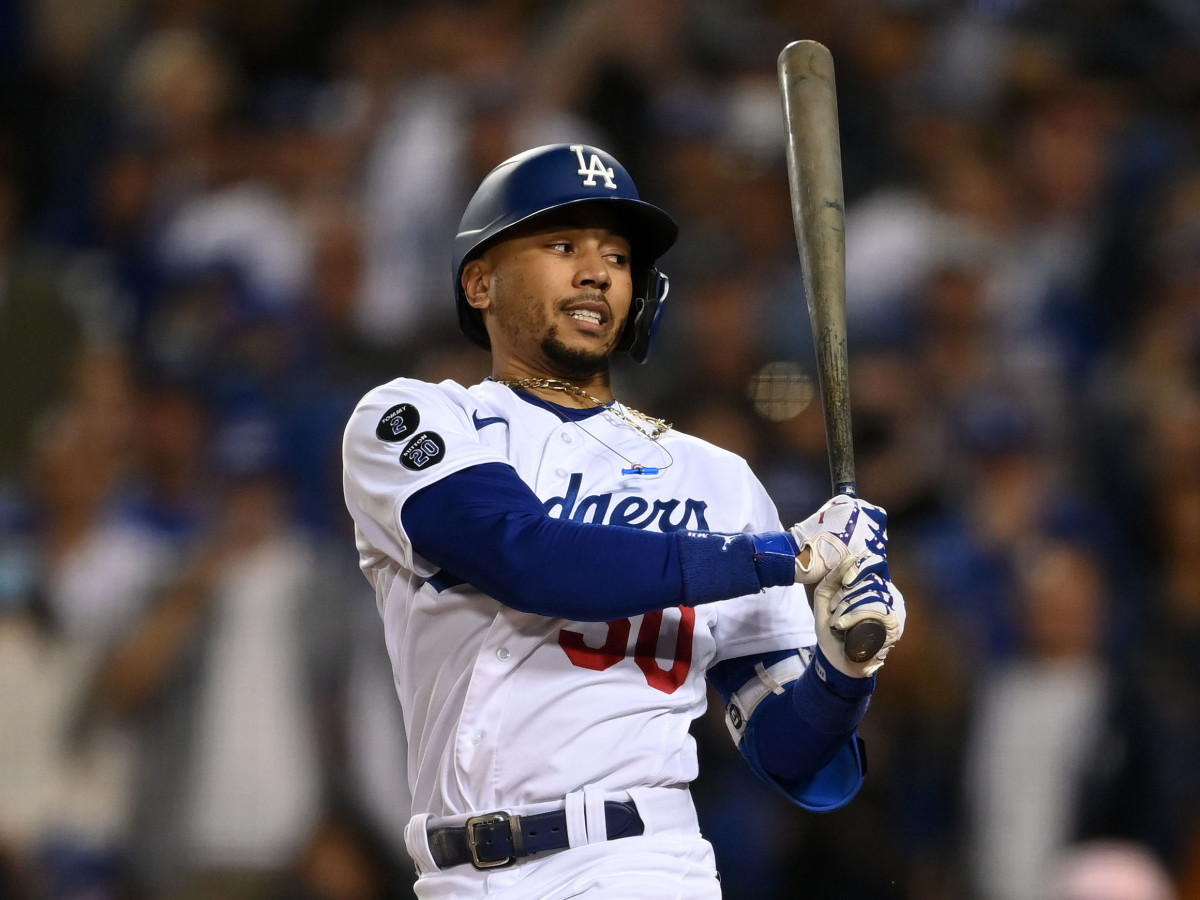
497,839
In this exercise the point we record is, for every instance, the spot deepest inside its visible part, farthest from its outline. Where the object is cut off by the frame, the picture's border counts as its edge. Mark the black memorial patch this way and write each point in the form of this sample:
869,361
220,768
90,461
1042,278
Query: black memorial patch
423,451
398,423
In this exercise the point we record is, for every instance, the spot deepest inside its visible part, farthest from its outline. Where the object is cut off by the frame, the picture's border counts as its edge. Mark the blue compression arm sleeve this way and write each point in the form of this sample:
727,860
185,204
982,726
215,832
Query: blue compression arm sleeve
486,527
803,741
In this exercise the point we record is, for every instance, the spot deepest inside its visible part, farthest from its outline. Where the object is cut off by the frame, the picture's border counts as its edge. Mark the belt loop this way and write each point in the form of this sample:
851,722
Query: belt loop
577,825
593,812
416,839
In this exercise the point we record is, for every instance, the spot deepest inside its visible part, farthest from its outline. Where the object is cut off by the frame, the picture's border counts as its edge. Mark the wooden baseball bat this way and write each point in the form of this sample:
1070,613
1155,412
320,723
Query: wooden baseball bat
814,156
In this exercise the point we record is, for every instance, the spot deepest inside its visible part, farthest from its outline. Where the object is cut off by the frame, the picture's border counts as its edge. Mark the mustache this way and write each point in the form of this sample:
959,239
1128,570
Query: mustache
588,296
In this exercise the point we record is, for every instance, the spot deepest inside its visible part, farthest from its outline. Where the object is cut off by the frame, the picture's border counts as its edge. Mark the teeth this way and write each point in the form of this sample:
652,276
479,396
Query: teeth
586,315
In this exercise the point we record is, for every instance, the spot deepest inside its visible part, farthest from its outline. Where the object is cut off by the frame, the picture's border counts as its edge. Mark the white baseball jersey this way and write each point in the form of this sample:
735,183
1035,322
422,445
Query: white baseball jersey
504,708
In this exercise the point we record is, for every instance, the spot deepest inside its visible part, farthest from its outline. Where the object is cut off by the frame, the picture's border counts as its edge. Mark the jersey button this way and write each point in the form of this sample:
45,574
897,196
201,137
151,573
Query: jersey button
560,472
477,737
566,436
502,654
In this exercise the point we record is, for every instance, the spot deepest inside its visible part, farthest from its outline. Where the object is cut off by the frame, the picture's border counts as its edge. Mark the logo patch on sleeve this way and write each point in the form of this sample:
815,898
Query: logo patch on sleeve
423,451
398,423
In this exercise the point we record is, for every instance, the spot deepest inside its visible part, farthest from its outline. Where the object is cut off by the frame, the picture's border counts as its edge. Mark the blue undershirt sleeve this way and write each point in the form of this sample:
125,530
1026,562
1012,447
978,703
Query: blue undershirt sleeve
484,526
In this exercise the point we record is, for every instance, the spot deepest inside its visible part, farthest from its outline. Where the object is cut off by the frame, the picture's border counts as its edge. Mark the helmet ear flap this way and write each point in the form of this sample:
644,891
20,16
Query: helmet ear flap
645,313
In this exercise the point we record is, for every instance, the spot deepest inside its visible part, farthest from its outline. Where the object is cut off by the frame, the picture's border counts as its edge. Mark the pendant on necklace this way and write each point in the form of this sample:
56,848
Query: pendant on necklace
639,469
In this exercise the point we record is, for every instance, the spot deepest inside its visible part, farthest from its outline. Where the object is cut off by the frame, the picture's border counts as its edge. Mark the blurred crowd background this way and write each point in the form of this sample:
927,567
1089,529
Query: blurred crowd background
222,221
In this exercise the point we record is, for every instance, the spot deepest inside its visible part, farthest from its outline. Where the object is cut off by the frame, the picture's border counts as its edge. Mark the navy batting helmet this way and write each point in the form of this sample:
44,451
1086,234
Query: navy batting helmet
549,178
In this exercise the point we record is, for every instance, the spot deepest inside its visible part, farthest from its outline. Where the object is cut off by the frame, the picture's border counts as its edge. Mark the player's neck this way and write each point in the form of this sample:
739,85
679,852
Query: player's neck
597,387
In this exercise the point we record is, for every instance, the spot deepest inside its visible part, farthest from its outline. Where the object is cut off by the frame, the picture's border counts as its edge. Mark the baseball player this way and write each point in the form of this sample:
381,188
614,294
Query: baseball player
558,573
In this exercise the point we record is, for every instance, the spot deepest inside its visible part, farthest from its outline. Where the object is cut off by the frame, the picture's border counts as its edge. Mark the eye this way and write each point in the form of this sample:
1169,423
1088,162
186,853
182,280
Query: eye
617,258
562,246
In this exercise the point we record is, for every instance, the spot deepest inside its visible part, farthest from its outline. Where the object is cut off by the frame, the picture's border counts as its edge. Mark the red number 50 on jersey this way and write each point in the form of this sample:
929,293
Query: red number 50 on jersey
645,650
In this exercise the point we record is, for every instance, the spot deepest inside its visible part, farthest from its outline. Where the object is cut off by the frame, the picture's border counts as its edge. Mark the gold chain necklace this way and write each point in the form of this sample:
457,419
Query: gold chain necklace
628,415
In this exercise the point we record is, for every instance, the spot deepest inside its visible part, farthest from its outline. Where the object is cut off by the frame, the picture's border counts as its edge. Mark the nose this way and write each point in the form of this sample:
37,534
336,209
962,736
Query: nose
592,269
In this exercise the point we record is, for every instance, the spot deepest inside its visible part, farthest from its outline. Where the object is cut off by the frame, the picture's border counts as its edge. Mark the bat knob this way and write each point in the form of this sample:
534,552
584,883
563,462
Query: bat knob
863,640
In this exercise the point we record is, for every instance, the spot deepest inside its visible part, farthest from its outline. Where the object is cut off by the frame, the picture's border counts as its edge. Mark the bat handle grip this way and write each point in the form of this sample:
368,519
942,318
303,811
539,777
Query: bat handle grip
863,639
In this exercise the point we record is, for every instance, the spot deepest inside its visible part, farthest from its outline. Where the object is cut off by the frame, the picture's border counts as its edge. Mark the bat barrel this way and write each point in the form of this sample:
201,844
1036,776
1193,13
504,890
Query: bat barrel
814,159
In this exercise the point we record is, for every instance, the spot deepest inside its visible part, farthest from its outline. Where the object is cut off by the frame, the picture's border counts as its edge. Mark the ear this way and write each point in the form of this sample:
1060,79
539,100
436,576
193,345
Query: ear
477,283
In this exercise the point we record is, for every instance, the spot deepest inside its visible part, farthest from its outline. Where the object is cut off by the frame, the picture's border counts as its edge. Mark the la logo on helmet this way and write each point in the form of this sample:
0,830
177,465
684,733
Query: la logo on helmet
592,168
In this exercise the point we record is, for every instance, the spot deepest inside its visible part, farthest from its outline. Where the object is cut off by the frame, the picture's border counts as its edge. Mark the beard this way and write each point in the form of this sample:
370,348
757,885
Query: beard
573,362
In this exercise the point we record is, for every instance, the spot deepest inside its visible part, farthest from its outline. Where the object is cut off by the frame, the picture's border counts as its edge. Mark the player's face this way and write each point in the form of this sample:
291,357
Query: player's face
556,297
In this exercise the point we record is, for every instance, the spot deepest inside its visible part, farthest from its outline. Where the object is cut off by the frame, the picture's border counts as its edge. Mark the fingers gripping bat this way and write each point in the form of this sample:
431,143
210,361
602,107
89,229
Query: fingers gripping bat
815,176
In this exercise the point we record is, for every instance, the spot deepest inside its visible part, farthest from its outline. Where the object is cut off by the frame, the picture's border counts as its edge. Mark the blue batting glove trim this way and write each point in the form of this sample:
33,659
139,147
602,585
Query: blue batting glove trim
874,591
791,539
831,701
775,558
875,565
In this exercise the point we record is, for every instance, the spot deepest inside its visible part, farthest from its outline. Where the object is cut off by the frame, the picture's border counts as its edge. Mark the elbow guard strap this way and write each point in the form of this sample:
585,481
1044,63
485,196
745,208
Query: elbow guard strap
770,680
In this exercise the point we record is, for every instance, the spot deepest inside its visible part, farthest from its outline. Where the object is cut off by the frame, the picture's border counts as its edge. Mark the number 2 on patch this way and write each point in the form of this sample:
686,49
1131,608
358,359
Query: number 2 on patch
645,648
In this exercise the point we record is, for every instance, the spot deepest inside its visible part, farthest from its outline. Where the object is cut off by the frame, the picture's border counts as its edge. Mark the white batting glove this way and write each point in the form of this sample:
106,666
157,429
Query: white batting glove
857,588
844,525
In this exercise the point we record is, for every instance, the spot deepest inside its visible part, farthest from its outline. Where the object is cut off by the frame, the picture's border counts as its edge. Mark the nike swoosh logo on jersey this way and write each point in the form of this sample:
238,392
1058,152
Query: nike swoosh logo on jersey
485,422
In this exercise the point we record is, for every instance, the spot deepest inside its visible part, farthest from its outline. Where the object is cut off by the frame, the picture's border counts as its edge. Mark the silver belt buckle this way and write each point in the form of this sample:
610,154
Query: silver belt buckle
491,818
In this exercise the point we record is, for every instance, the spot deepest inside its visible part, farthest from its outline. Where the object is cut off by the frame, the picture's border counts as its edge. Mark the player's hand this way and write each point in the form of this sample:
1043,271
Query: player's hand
857,588
844,525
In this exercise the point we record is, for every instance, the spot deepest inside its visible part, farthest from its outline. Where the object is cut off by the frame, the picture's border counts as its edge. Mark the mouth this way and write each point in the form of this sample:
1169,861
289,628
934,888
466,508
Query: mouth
592,316
586,315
